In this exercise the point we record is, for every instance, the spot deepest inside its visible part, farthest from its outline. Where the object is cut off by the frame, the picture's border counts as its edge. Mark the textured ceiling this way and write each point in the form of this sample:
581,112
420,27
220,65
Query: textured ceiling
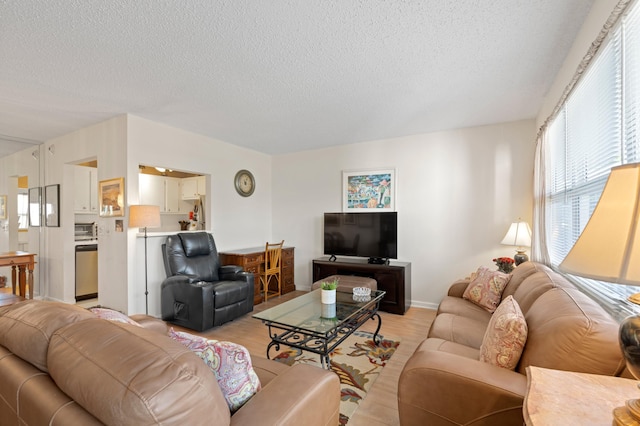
279,76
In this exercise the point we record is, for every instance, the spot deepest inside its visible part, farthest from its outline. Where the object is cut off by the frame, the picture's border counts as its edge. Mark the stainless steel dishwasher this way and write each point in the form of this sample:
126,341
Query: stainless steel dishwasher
86,272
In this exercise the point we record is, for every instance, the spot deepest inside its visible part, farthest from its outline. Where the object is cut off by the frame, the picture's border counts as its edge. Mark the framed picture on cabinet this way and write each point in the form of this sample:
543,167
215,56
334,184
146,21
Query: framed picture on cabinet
369,190
34,206
52,205
111,193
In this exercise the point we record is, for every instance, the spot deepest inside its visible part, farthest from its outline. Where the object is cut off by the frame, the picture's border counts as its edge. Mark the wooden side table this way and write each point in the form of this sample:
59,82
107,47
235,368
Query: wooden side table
23,261
557,397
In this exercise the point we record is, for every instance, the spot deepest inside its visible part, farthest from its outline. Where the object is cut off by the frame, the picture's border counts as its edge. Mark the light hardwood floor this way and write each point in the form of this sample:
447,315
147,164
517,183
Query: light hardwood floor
380,407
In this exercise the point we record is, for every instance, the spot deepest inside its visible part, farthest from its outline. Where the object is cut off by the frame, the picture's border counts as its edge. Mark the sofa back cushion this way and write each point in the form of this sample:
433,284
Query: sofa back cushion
26,327
519,274
124,374
537,284
569,331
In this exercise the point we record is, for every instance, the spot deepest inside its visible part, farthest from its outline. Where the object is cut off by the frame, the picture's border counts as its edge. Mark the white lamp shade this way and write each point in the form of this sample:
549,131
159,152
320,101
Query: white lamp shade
609,247
519,234
144,216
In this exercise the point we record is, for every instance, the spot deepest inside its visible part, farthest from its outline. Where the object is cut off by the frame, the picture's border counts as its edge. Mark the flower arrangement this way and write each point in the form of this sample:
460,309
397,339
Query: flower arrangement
505,264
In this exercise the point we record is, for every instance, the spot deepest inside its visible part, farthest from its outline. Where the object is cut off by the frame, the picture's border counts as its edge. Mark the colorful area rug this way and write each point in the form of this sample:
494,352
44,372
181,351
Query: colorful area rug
357,361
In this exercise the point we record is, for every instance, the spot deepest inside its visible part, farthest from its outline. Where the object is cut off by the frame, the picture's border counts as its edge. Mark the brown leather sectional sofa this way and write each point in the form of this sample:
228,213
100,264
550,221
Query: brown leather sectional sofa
60,365
444,383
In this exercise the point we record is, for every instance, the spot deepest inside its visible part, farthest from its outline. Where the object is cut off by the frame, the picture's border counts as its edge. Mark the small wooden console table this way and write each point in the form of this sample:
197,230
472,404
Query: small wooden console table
23,261
251,258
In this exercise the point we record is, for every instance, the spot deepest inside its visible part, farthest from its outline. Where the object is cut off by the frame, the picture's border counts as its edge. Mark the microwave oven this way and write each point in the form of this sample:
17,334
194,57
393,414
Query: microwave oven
86,231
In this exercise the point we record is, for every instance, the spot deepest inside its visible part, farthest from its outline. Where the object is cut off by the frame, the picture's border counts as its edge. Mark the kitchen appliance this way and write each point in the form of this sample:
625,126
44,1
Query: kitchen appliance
86,231
86,271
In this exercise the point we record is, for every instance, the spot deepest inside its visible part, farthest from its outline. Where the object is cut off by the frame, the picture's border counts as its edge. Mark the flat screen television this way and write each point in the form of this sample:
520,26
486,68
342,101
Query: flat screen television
373,235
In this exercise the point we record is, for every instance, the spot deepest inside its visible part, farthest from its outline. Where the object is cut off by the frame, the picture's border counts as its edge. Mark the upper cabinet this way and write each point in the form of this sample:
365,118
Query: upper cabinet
160,191
86,189
193,187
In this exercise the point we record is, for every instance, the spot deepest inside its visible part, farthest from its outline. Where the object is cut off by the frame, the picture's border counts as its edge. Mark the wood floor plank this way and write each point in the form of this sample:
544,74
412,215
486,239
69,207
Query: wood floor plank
380,407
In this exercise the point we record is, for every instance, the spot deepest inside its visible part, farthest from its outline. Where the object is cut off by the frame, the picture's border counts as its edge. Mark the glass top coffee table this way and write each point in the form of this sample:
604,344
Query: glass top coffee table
307,324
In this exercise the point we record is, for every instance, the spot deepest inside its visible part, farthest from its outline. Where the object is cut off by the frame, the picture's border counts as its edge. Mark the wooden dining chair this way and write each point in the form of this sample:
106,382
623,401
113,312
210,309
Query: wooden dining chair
271,269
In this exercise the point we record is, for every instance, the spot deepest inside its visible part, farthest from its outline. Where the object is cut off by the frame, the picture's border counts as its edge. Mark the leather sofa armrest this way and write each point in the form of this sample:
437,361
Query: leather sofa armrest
150,323
304,395
227,272
443,388
457,288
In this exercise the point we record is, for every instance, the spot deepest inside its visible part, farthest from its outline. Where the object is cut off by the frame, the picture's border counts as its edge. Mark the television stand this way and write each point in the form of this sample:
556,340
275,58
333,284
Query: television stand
392,277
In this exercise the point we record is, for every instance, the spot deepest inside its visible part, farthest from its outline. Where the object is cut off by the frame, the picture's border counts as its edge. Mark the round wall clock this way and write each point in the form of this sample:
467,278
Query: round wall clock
245,183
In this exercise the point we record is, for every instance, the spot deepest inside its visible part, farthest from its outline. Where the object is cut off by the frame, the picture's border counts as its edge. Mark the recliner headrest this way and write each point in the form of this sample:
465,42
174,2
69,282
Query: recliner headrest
196,243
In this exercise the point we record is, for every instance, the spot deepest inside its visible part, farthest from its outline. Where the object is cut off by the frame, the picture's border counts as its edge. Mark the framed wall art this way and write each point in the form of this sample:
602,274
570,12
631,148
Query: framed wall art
111,193
34,206
369,190
52,205
3,206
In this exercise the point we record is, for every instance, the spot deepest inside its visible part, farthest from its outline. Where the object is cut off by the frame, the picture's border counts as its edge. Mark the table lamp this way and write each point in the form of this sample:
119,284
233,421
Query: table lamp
144,216
519,235
609,250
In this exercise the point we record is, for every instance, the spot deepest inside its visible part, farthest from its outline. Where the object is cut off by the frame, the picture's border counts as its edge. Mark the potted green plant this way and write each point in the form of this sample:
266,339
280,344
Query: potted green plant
328,291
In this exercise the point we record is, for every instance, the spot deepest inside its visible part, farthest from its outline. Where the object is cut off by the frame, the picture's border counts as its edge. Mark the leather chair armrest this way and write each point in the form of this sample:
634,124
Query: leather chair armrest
440,388
189,304
457,288
180,279
304,395
228,272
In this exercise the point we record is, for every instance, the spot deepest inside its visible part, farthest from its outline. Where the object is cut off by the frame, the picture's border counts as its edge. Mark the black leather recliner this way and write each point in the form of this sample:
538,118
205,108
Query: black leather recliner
199,293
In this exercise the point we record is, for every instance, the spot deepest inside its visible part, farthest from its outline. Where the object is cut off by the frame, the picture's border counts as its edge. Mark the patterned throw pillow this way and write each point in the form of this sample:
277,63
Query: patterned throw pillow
231,364
505,337
486,287
112,315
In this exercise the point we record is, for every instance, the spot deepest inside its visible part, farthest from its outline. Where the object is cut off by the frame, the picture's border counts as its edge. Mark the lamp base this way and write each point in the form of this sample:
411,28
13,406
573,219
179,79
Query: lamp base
629,415
520,257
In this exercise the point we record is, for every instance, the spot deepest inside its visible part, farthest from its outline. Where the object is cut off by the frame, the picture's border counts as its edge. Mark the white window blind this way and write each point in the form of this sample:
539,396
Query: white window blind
595,130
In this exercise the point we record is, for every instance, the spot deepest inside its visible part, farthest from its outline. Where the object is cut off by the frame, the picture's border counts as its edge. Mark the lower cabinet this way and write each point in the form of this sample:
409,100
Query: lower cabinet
251,258
394,279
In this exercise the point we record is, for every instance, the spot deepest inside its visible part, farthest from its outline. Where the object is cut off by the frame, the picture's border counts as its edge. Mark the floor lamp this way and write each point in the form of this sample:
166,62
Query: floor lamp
144,216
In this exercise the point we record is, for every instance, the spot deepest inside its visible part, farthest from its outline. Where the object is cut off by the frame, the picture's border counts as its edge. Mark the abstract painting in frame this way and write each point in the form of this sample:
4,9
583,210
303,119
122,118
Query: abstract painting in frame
369,190
111,193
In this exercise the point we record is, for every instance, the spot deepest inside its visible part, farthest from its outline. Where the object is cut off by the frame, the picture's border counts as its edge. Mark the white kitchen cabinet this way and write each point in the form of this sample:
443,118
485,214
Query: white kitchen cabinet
193,187
86,189
160,191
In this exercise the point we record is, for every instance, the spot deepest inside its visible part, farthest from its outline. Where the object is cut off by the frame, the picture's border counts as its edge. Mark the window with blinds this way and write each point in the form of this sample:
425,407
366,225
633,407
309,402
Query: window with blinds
595,130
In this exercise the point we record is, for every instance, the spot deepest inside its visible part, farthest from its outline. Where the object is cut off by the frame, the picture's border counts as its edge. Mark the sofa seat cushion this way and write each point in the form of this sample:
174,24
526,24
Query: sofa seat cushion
229,362
150,379
435,344
26,327
505,336
463,307
229,292
267,369
458,329
485,288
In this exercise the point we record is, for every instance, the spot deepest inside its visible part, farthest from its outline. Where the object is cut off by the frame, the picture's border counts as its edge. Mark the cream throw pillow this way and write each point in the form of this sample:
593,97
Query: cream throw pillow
505,337
486,287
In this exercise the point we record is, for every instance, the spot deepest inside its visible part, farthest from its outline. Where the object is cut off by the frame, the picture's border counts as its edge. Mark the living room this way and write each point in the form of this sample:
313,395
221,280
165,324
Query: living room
458,189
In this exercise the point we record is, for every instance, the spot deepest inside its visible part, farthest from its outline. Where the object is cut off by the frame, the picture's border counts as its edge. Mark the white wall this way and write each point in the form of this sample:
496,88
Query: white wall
457,193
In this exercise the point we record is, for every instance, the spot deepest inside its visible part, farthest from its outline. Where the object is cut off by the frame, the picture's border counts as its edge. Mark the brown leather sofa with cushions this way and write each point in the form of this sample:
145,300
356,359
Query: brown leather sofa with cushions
445,383
60,365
